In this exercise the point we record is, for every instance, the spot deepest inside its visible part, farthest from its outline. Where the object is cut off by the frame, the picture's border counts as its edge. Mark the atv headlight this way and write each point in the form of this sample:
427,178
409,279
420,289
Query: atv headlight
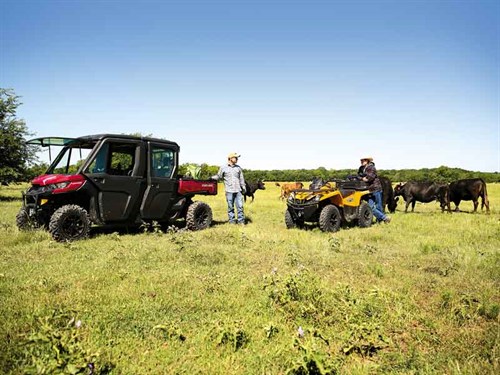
317,198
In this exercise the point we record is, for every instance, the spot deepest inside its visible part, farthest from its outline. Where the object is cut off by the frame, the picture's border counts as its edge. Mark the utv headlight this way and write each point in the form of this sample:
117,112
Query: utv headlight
60,185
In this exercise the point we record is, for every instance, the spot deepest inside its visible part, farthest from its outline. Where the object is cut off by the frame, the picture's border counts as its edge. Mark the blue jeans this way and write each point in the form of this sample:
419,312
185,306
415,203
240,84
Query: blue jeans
375,202
232,199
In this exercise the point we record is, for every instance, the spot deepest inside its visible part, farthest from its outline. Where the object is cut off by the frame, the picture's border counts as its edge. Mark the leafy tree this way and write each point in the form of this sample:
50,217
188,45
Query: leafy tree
36,170
15,154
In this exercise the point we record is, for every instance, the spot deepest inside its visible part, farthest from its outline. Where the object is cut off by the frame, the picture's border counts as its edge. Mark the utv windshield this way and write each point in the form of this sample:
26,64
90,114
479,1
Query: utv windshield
71,158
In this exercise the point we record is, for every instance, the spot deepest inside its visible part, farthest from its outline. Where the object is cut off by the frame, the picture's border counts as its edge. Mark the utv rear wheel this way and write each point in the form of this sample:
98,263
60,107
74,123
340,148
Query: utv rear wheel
330,219
69,223
23,220
365,215
198,216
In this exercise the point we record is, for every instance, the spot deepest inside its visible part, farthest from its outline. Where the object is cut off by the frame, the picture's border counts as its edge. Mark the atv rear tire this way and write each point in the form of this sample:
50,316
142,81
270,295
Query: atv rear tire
69,223
23,220
198,216
365,215
330,219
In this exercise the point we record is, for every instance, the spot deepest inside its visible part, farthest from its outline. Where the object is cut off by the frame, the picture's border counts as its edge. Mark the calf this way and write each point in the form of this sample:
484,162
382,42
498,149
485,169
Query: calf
388,198
286,189
423,192
252,187
469,190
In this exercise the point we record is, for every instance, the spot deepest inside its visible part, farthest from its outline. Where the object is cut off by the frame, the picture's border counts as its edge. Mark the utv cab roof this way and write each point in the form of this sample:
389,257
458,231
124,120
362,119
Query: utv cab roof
60,141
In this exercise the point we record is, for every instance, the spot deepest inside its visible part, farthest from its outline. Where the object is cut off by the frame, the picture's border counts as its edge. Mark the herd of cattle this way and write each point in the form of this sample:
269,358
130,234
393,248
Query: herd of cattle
461,190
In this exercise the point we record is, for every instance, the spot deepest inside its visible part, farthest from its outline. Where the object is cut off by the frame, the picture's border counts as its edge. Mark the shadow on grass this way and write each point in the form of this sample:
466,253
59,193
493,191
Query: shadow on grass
10,199
133,230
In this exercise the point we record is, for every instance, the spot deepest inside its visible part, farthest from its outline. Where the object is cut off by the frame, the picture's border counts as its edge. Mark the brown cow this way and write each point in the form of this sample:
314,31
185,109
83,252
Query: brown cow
286,189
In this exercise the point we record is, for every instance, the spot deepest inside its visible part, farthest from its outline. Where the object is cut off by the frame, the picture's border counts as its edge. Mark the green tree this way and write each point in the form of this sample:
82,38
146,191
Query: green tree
36,170
15,154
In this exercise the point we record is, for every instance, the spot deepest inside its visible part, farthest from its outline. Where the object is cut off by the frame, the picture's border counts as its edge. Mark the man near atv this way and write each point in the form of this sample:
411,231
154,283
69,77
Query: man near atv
234,184
368,173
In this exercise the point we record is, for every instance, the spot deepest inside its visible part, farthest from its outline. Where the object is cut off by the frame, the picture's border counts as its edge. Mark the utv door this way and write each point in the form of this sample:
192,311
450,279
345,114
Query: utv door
161,190
117,174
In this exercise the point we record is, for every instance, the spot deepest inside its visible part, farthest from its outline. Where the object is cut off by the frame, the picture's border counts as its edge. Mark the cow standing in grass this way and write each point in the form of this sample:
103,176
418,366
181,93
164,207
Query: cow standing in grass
424,192
286,189
469,190
388,199
252,187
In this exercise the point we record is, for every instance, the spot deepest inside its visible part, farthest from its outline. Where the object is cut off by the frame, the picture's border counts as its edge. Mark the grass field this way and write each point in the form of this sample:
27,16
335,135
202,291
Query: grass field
417,296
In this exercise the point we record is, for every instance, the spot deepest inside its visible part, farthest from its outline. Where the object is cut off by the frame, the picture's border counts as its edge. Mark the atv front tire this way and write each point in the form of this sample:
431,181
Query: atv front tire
69,223
365,215
290,222
330,219
198,216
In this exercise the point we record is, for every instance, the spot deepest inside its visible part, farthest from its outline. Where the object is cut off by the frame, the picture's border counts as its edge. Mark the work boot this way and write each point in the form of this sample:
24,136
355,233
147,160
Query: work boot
387,219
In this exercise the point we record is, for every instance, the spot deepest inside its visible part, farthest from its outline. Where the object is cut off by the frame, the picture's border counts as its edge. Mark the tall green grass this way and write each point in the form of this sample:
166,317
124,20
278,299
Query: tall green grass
419,295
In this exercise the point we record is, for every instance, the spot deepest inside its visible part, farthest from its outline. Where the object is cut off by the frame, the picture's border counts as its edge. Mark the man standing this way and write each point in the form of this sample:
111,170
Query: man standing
234,184
368,173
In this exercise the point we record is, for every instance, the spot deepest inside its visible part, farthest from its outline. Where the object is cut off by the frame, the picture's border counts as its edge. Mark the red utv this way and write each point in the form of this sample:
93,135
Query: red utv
112,181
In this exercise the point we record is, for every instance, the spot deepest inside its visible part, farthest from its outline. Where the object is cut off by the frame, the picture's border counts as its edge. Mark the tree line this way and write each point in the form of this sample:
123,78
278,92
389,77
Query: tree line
18,162
439,174
205,171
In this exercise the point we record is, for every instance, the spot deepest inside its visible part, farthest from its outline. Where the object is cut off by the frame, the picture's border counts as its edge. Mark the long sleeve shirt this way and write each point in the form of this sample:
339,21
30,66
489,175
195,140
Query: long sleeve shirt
370,173
232,175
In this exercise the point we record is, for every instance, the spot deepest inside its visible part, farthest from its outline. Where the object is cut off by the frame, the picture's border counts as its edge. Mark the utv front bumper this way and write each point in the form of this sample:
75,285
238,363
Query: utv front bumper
37,204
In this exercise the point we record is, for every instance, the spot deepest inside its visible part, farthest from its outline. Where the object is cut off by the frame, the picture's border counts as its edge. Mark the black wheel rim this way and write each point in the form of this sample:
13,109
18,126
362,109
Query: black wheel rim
201,218
334,220
72,226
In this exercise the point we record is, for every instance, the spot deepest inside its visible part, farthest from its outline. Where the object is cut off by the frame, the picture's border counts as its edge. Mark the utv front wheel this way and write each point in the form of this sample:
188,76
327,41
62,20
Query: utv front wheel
330,219
198,216
69,223
365,215
23,220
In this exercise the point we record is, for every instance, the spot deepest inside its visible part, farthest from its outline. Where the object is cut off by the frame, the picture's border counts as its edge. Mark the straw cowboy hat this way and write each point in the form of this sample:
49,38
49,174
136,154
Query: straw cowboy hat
369,158
233,155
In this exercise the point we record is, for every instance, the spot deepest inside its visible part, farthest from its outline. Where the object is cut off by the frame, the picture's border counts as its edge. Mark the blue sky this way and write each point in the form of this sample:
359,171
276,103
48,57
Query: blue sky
288,84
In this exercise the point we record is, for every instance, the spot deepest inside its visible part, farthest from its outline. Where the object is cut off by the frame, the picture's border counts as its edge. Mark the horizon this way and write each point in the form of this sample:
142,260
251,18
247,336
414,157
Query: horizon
288,85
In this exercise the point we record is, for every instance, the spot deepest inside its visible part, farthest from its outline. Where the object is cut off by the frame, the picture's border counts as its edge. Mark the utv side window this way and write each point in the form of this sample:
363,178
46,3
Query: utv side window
98,165
162,162
114,159
122,160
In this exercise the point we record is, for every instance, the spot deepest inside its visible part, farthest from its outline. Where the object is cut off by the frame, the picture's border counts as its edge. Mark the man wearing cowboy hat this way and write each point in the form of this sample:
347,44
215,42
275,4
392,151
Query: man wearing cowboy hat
368,173
234,184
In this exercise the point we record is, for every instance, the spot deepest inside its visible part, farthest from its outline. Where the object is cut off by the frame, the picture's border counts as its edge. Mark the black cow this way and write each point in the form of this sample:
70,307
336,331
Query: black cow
252,187
469,190
388,198
423,192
